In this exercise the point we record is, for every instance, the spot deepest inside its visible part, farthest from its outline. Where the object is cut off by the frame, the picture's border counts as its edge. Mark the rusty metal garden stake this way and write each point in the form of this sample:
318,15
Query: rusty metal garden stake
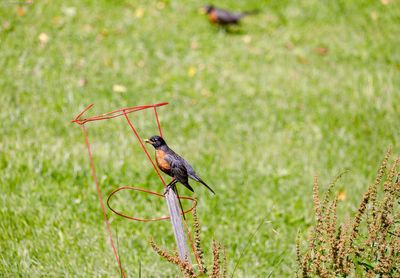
172,200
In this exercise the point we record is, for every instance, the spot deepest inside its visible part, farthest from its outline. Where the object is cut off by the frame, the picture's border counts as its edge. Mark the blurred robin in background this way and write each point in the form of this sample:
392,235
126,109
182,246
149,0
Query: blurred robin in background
224,17
175,166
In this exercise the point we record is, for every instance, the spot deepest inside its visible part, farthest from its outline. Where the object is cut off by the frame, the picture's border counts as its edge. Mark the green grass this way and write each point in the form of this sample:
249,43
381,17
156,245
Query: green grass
257,120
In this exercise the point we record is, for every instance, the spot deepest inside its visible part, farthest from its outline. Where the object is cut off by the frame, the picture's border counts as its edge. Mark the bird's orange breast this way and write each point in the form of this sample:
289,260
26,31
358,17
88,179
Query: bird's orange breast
212,16
161,162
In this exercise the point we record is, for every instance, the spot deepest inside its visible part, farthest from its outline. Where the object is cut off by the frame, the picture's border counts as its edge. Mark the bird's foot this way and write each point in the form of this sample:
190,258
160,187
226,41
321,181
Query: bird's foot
169,187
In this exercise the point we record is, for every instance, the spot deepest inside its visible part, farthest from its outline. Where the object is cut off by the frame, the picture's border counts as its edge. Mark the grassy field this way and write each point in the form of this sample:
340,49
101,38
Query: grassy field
300,89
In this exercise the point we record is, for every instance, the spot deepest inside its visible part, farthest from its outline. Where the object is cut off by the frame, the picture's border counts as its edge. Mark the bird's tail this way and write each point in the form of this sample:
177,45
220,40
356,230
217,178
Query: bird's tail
252,12
203,183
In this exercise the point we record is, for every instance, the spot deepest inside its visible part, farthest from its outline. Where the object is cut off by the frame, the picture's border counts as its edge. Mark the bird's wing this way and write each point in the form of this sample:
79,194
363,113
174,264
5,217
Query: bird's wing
225,16
178,169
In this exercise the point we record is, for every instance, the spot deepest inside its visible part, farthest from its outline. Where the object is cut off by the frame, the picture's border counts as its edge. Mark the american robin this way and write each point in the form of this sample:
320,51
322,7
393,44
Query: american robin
173,165
224,17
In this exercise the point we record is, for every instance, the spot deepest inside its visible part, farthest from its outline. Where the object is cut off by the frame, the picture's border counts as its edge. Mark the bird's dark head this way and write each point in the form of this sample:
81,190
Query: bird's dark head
156,141
209,8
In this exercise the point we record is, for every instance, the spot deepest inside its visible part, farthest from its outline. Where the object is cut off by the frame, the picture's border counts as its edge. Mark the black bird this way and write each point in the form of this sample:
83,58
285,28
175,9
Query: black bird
224,17
173,165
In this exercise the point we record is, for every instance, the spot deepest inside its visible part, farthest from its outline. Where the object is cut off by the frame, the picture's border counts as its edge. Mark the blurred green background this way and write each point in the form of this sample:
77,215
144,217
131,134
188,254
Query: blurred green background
303,88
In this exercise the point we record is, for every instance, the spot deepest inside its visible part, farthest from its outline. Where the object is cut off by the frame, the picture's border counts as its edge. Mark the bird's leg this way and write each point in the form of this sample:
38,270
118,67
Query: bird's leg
170,185
179,199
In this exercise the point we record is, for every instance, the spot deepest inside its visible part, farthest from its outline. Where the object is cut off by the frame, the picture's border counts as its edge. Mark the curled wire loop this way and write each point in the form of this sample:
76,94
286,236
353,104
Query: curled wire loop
194,203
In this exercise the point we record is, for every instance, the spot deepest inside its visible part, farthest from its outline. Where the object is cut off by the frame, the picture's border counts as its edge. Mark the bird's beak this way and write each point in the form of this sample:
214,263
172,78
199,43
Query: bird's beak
147,141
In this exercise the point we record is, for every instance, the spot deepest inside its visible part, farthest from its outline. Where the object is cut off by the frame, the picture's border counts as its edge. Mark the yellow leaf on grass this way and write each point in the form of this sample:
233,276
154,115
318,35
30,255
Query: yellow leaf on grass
43,38
21,11
374,16
69,11
341,196
117,88
192,71
139,12
247,39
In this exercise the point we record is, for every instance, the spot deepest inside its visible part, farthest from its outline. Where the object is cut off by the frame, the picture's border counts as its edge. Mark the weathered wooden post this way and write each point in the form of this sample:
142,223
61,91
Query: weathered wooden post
177,225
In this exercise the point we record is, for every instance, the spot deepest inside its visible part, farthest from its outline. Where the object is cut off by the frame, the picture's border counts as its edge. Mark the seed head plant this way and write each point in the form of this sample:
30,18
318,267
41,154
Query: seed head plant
366,246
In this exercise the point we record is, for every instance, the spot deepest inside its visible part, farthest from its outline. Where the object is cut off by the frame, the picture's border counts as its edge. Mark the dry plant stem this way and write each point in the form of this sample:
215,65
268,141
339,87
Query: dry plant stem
369,197
344,248
318,213
374,189
197,246
325,201
225,266
335,252
184,266
386,222
330,231
307,256
358,217
319,258
216,248
390,192
298,255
